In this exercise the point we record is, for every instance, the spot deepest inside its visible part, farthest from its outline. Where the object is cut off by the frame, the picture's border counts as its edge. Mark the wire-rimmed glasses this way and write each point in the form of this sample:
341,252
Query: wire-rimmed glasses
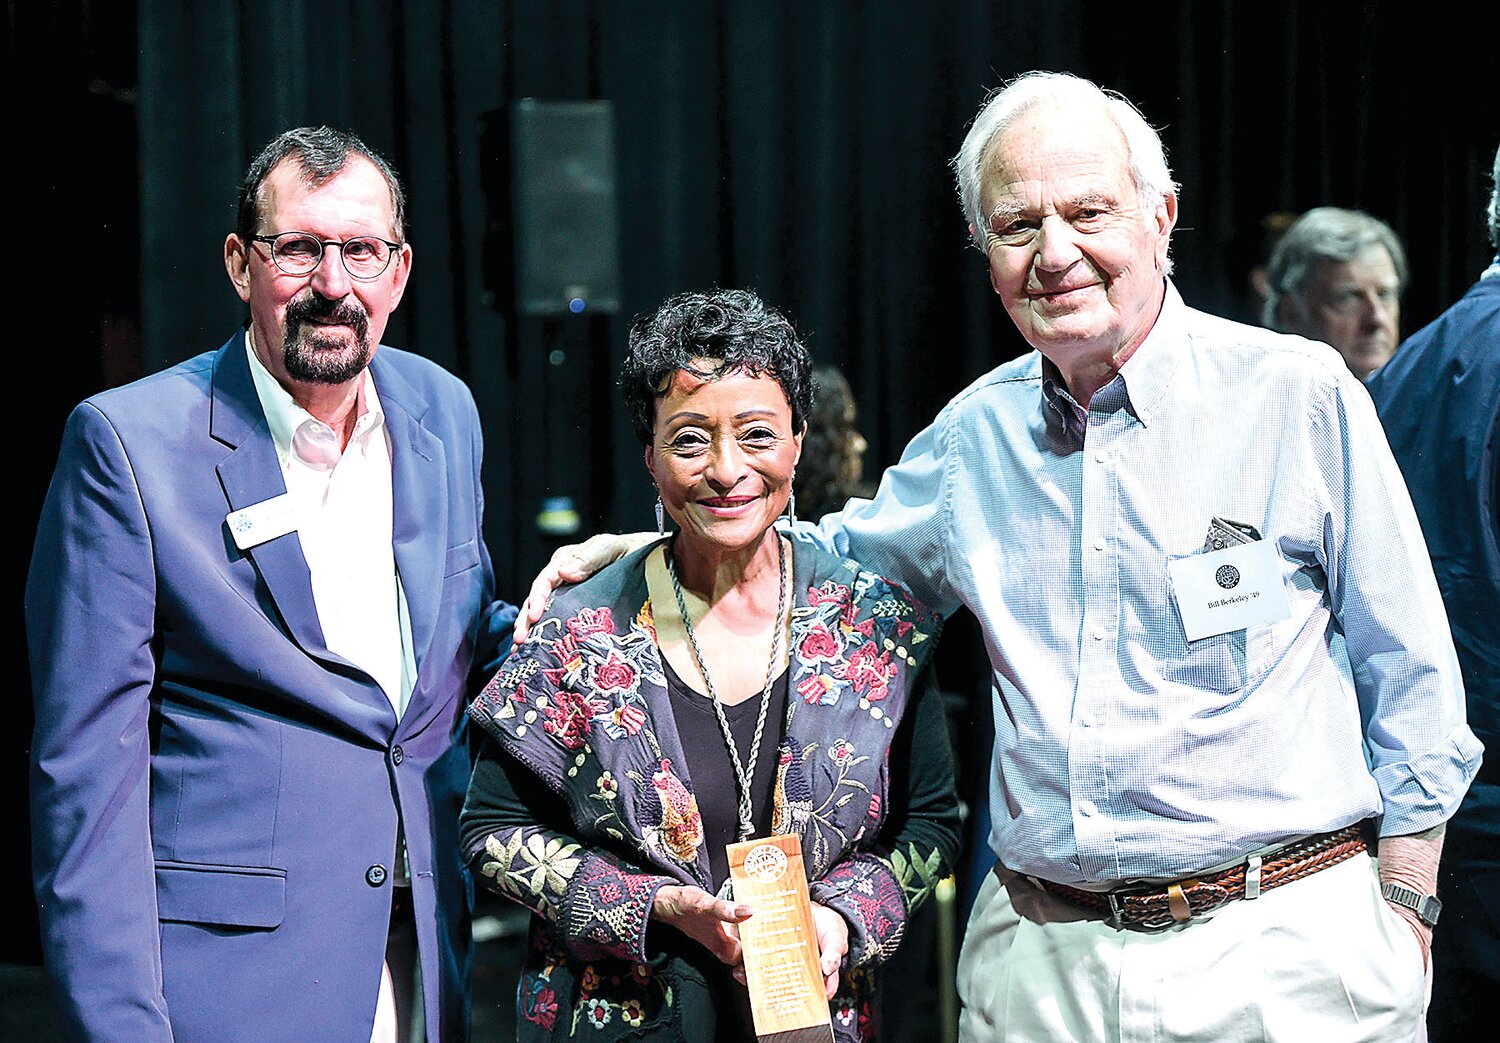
365,257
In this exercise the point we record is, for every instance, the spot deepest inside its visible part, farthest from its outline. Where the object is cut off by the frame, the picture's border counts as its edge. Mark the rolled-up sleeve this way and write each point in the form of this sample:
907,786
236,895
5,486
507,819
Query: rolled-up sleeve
1381,588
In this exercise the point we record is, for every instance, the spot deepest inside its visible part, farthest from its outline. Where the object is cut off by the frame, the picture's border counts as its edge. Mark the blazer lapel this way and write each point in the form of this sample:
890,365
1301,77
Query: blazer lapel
252,474
419,512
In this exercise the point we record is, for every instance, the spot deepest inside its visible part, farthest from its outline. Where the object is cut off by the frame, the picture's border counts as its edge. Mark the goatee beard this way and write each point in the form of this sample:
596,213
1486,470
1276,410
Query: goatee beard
310,356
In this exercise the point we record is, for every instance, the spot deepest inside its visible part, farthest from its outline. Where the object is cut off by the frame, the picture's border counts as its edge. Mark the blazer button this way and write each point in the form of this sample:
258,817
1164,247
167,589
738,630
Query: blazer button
397,755
375,875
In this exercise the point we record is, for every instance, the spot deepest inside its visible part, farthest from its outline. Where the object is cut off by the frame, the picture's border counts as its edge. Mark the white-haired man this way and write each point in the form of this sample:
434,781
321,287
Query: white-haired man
1337,276
1220,659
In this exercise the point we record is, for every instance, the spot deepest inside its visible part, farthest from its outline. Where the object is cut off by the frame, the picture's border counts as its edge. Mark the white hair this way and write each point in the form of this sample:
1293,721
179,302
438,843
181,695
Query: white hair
1494,213
1143,147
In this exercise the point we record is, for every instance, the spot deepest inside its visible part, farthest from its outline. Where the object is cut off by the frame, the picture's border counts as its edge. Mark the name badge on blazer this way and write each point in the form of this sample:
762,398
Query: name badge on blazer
1229,589
262,522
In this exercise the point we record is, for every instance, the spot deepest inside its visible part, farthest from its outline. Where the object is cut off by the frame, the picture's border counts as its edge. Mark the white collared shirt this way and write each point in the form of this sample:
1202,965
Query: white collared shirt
343,508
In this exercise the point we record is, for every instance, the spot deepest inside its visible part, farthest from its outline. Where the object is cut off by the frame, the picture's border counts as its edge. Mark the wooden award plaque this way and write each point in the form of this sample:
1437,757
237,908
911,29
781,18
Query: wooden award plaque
780,943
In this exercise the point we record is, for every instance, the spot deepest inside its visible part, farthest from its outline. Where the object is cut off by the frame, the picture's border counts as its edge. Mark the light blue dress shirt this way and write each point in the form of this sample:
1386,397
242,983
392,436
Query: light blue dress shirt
1122,750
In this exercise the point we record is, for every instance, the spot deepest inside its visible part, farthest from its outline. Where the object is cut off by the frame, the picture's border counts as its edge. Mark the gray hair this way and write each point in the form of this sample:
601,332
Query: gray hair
1324,235
1148,159
1495,203
320,153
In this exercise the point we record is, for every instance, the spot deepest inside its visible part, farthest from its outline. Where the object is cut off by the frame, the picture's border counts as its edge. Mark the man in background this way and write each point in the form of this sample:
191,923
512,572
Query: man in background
258,590
1337,276
1439,400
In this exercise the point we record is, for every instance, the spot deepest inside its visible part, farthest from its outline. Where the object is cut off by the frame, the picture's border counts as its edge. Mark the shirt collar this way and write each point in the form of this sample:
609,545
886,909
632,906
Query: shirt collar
285,417
1061,409
1141,385
1148,373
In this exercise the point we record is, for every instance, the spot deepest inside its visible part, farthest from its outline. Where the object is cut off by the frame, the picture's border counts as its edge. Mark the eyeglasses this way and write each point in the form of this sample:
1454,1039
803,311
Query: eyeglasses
365,257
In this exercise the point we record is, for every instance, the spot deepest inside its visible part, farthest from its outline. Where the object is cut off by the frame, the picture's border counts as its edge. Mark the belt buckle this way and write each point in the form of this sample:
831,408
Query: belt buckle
1179,908
1117,898
1116,918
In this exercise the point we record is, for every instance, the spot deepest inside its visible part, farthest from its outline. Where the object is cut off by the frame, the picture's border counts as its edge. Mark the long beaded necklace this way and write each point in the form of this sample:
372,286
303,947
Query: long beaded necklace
742,773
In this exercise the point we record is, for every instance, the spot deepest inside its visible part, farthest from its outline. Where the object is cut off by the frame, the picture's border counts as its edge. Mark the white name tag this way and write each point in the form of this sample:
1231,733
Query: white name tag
262,522
1228,589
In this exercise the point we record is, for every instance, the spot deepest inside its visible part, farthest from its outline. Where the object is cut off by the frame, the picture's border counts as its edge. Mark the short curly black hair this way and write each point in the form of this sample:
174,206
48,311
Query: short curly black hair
733,328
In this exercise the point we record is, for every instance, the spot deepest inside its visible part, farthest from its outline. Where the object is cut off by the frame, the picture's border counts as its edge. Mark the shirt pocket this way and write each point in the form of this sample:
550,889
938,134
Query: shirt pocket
1225,663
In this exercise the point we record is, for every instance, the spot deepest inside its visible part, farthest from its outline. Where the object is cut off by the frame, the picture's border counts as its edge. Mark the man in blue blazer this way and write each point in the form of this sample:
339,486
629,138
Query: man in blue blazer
1439,400
258,591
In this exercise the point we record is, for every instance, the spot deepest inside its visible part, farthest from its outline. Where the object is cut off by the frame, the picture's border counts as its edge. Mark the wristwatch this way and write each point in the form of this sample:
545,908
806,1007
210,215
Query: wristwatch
1427,907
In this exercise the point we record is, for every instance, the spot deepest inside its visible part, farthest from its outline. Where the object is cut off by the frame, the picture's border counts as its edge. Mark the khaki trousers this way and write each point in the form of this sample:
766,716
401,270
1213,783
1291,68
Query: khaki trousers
1324,960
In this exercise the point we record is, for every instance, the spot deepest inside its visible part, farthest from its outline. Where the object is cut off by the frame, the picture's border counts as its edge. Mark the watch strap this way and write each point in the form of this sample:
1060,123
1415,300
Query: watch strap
1427,907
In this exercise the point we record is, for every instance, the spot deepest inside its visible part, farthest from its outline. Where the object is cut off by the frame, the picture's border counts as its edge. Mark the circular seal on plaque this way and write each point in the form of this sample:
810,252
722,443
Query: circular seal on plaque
1227,577
765,862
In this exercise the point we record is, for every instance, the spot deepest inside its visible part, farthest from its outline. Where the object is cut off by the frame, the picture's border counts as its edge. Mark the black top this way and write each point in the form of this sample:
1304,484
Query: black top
710,769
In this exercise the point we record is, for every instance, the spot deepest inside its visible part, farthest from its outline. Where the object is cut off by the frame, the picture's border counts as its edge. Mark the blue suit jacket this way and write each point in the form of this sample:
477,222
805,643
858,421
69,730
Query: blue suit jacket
212,789
1439,399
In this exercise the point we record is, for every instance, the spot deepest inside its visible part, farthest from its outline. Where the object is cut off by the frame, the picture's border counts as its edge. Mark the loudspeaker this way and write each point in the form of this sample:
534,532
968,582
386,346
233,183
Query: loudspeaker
565,229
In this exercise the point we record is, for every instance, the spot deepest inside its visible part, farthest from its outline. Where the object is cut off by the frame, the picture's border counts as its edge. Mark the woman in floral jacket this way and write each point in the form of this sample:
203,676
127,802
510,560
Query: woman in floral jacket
618,768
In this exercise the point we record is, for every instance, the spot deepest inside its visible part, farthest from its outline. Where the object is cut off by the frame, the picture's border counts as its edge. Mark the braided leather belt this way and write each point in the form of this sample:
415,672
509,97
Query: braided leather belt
1161,905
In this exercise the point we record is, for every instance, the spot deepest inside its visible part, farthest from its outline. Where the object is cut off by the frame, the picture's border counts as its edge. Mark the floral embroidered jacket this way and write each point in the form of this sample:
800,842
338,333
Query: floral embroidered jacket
581,809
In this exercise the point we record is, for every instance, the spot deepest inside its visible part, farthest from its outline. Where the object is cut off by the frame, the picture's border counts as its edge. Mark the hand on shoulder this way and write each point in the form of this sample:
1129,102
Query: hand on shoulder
574,564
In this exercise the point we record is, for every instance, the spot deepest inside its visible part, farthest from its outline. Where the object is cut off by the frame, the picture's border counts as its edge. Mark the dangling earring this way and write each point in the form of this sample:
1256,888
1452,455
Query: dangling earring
791,501
661,517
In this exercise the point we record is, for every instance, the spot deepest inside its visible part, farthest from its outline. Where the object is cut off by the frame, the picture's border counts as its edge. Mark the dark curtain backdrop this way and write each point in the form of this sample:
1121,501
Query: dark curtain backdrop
798,148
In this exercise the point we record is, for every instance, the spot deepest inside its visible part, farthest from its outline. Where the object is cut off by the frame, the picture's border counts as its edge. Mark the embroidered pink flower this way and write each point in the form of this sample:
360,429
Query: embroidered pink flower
830,593
819,646
841,751
814,688
542,1010
590,621
870,671
630,719
566,718
845,1013
566,650
614,675
874,805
